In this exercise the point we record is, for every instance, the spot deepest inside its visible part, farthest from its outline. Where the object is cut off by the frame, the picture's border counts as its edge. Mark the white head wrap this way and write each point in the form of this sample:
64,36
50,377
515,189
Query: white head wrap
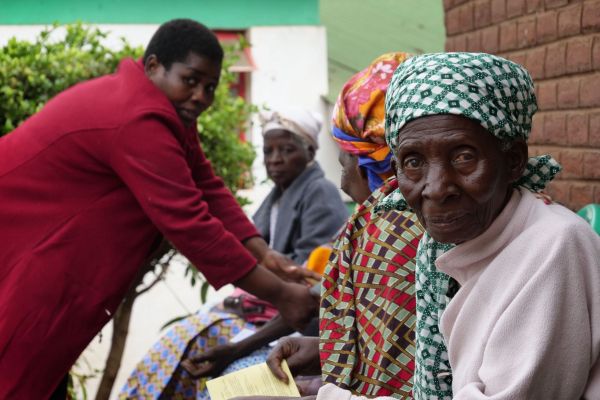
300,122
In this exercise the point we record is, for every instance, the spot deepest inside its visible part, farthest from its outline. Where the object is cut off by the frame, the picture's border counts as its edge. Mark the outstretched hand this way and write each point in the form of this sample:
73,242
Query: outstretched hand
210,363
301,354
286,269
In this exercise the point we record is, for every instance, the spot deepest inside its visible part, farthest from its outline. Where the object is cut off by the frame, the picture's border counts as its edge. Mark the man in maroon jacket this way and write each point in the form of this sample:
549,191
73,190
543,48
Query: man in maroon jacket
91,182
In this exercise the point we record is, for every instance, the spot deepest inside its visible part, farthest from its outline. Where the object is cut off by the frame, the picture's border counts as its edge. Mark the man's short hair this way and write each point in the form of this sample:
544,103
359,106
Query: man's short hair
175,39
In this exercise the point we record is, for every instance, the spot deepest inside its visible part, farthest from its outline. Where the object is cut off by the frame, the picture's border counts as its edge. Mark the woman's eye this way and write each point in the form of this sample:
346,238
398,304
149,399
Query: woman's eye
211,88
411,163
463,157
191,81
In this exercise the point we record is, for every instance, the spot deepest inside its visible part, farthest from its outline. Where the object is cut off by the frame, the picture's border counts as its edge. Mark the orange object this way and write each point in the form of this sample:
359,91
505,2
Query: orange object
318,258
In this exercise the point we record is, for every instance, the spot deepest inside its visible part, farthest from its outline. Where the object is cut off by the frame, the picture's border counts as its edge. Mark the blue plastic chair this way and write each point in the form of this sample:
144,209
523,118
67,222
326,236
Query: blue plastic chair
591,213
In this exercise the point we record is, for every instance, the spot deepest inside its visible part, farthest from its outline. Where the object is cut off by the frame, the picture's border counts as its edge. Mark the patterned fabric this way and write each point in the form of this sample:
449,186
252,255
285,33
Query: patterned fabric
433,375
499,95
159,374
358,117
367,313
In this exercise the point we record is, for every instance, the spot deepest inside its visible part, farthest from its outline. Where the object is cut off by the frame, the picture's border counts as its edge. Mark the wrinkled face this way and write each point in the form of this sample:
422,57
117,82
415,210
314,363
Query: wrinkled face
455,176
285,156
353,182
189,85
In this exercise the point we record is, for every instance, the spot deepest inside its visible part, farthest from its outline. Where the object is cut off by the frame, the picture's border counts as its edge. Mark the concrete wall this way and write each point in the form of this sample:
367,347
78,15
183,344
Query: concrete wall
291,71
558,41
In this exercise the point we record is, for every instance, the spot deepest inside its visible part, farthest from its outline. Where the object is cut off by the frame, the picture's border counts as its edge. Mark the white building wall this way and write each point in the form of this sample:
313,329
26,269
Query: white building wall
291,71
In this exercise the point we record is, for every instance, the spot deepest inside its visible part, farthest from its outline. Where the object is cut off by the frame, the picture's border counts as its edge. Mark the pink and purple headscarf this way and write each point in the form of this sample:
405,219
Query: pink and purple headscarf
359,117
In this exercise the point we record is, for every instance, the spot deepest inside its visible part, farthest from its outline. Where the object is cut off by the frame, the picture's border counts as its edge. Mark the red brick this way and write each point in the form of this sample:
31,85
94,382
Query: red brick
535,62
483,13
474,41
555,60
515,8
452,22
590,21
581,194
596,53
568,93
579,55
489,39
577,129
559,191
547,99
518,58
589,92
465,17
449,44
555,128
526,35
534,5
547,27
448,4
591,164
555,3
460,43
572,163
498,10
594,130
537,129
508,36
569,21
597,194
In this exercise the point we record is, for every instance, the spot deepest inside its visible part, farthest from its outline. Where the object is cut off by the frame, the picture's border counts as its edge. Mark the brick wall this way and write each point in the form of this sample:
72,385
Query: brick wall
558,41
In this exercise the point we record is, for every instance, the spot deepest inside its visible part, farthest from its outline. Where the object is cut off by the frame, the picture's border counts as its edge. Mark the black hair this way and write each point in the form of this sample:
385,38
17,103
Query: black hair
175,39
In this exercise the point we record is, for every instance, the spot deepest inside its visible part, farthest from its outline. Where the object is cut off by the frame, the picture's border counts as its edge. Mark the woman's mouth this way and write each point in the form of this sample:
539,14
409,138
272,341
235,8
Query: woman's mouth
446,221
188,115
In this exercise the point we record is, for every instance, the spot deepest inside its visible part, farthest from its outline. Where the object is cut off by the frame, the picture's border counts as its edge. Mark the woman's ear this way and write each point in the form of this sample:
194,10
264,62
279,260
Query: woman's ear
393,165
311,153
151,64
517,156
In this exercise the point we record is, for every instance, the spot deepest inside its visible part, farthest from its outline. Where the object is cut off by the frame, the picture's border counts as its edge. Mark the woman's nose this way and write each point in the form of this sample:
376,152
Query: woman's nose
199,95
439,184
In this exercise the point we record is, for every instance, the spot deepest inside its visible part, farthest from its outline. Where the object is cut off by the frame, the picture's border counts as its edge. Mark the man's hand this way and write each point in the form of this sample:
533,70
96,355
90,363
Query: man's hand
285,268
296,305
212,362
301,354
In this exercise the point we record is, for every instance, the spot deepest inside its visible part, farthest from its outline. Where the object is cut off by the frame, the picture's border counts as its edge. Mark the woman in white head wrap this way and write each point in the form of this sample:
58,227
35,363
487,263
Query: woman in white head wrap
304,210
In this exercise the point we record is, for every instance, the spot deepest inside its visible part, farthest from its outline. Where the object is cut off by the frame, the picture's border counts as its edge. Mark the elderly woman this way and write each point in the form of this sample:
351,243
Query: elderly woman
303,211
525,322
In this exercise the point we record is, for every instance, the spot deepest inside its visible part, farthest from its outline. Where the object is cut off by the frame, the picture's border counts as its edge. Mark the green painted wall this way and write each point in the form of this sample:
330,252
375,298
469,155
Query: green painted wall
360,30
229,14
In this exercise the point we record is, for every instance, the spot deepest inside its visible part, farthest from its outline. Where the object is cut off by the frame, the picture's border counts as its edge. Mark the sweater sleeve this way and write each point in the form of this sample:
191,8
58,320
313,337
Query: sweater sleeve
546,341
151,162
322,214
332,392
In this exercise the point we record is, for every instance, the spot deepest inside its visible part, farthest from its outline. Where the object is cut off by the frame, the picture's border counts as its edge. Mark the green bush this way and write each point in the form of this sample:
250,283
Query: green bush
33,72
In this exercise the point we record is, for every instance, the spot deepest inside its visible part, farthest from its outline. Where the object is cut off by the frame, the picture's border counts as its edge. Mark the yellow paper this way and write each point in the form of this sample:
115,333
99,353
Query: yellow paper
257,380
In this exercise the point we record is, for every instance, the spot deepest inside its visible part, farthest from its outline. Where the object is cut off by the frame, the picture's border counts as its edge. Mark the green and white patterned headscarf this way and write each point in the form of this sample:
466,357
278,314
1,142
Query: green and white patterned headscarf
491,90
499,95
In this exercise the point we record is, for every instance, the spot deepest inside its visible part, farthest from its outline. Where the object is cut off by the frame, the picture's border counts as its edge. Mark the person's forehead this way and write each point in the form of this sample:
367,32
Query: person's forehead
443,128
279,134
